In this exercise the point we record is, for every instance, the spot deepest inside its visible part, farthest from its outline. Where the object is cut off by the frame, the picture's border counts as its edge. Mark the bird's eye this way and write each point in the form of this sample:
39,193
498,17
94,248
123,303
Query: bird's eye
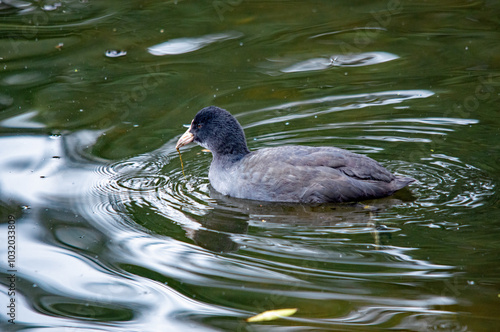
199,126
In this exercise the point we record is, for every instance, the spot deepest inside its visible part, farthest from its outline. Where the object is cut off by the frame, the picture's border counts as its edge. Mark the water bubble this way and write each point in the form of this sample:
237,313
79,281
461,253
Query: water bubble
115,53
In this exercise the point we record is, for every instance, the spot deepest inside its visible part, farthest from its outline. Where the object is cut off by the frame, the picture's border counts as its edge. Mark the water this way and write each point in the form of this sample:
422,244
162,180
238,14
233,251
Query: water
110,236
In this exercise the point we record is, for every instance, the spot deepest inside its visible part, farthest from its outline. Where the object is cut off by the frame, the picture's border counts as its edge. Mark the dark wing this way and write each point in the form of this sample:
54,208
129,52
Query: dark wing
351,164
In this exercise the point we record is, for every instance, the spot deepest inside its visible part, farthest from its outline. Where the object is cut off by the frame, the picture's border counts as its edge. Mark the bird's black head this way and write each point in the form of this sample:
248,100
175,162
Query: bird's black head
217,130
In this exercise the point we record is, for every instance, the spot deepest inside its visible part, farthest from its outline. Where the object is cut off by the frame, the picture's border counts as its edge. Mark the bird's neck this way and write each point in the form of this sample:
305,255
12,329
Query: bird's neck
230,153
232,148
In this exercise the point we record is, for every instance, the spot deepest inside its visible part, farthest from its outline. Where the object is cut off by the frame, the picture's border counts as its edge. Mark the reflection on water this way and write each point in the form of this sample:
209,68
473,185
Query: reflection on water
112,237
186,45
351,60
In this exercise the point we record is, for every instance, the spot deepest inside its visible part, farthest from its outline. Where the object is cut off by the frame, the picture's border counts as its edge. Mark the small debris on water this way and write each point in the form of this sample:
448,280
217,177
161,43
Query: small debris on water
182,164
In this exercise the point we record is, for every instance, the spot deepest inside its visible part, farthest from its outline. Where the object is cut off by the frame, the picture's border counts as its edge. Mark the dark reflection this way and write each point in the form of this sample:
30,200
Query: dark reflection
214,231
302,214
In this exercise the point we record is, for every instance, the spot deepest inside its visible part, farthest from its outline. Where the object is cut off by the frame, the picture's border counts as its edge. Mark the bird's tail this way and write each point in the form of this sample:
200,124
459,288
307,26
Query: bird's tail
402,181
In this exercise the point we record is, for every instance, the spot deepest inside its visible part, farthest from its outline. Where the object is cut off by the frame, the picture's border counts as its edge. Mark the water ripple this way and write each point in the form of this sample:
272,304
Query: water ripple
445,182
340,60
324,105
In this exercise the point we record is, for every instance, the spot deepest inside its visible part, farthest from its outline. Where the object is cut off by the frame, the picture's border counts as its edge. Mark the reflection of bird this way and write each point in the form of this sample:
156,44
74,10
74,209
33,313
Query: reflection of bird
288,173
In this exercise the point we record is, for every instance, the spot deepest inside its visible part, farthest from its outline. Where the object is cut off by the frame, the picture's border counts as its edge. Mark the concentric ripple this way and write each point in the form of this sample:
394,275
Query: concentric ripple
445,182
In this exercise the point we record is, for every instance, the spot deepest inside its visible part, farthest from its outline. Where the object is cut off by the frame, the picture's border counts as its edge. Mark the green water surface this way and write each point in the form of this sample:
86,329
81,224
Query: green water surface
110,236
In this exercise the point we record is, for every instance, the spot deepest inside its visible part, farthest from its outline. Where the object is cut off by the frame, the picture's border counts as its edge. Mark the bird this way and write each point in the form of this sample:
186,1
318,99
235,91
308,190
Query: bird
289,173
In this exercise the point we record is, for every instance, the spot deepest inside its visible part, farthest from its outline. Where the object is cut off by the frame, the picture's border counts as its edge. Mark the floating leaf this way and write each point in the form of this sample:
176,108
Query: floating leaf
272,315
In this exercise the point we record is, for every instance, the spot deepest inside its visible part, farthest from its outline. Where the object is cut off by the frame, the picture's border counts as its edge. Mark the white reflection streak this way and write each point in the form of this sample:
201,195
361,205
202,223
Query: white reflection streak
400,96
355,60
395,97
186,45
399,253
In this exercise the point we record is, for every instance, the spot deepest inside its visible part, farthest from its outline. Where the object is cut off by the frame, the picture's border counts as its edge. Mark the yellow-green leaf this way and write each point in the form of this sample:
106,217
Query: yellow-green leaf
272,315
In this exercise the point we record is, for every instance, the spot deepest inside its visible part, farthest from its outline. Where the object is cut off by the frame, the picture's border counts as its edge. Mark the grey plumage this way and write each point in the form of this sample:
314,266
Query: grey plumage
287,173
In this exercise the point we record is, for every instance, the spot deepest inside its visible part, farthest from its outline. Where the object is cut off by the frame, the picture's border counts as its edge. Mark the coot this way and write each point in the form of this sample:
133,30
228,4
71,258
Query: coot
299,174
